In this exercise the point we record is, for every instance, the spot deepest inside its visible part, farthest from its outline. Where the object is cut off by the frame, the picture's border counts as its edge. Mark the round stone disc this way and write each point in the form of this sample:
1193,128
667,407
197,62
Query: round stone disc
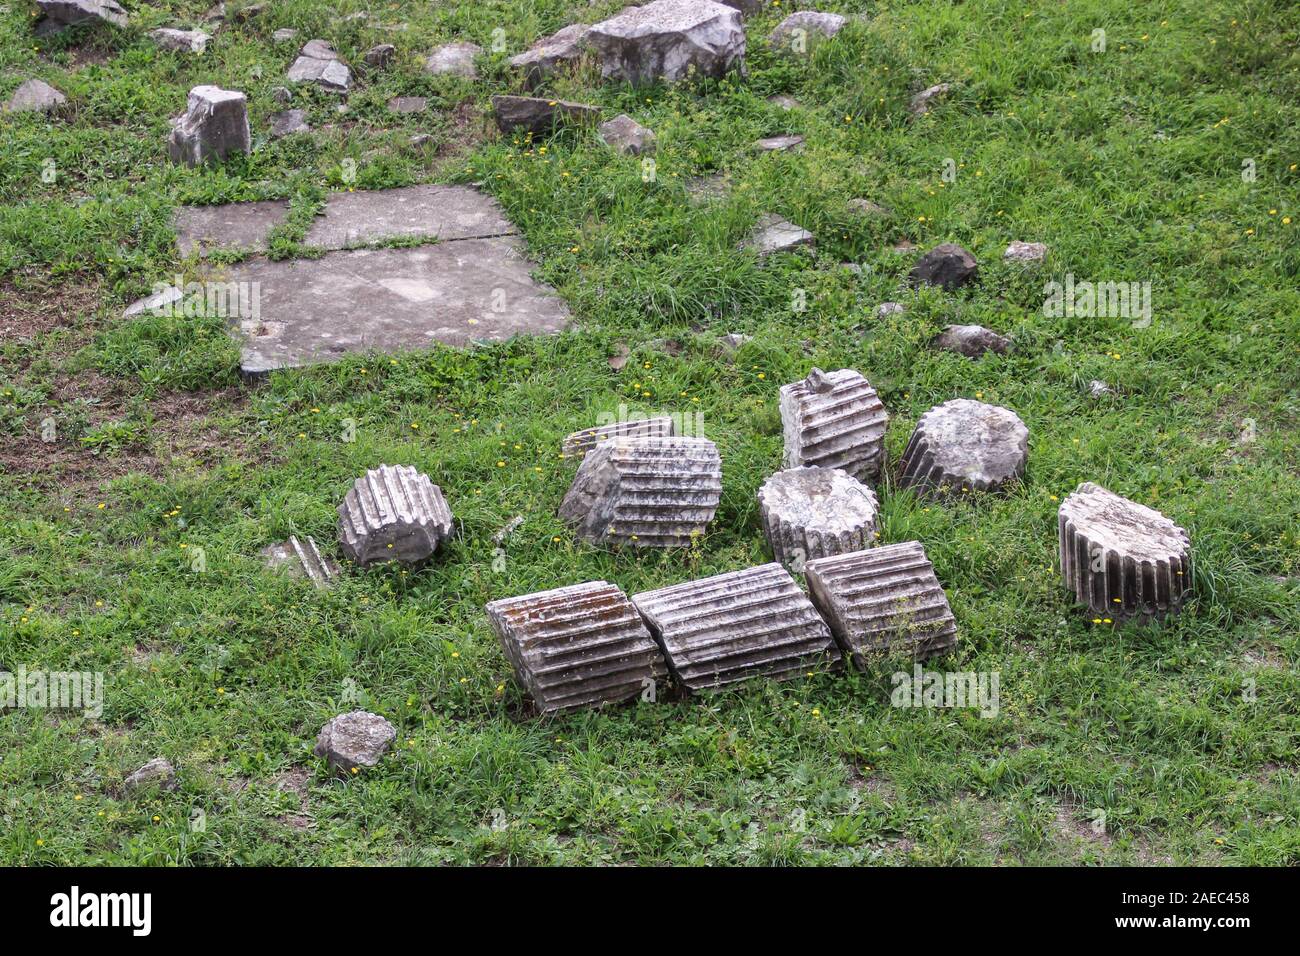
965,444
813,512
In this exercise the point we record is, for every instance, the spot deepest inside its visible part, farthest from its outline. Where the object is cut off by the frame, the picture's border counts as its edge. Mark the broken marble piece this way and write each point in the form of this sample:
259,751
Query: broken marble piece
971,341
783,101
215,125
35,96
797,31
812,512
353,740
668,40
453,59
408,104
287,122
921,102
625,135
778,144
156,773
1025,252
301,557
834,420
284,35
393,513
775,234
578,646
886,309
645,492
730,627
964,445
380,56
540,116
579,443
734,340
67,13
947,265
883,601
157,302
550,53
1121,559
319,63
181,41
1098,389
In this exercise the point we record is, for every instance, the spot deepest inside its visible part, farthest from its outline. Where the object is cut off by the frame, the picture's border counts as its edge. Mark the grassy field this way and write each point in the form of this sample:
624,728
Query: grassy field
1128,163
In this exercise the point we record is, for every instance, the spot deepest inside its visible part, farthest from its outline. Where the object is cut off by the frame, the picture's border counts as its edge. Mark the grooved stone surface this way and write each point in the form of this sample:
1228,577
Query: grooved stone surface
645,492
834,420
302,557
965,445
453,293
579,443
393,513
355,739
669,40
883,600
578,646
730,627
816,512
1122,559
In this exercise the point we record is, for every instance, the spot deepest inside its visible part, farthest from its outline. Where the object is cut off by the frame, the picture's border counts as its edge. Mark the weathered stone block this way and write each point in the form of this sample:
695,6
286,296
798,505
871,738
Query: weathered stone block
625,135
579,443
319,63
645,492
453,59
35,96
356,739
301,557
834,420
669,40
963,445
972,341
540,116
947,265
393,513
1121,559
816,512
883,600
774,234
730,627
551,53
214,126
578,646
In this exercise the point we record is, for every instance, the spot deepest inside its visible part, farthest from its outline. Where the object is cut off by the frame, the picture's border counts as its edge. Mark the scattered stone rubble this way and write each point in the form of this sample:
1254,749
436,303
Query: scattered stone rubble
60,14
797,31
393,513
882,601
181,41
921,102
834,420
453,59
1121,559
734,626
774,234
578,646
353,740
214,126
815,512
964,445
669,40
645,492
1025,252
779,144
579,443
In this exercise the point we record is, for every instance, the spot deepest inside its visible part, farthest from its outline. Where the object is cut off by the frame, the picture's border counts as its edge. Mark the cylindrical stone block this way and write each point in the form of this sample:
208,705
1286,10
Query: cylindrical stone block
579,646
963,445
816,512
1122,559
646,492
834,420
882,601
730,627
579,443
393,513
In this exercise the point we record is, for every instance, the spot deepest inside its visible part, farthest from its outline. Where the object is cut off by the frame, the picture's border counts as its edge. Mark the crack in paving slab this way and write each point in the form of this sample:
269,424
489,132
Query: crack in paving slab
474,284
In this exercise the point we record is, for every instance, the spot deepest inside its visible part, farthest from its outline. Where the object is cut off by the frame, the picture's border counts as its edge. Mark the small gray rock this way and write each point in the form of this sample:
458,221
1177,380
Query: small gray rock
356,739
886,309
947,265
301,557
284,35
181,41
289,122
972,341
865,207
1025,252
734,340
282,94
625,135
774,234
319,64
66,13
795,31
1098,389
540,116
35,96
453,59
775,144
922,101
550,53
380,56
157,772
158,301
783,101
408,104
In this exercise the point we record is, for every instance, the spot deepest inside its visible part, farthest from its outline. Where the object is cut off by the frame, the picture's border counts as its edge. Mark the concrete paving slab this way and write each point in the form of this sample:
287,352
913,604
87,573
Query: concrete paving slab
435,212
241,226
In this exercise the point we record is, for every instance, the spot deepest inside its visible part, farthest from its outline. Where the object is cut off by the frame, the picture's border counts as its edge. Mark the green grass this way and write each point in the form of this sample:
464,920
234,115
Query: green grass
1127,163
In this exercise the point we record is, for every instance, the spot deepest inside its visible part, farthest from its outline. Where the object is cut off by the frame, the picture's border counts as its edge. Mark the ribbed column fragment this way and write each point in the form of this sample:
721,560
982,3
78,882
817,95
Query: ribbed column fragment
645,492
816,512
964,445
579,646
1122,559
301,556
393,513
834,420
723,629
884,600
579,443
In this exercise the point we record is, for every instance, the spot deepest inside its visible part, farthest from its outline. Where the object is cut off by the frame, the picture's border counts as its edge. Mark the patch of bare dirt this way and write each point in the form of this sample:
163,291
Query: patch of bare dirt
31,308
297,781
